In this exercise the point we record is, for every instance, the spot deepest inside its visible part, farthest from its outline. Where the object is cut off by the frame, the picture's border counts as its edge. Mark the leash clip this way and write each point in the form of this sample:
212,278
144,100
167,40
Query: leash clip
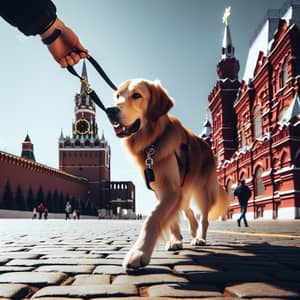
149,158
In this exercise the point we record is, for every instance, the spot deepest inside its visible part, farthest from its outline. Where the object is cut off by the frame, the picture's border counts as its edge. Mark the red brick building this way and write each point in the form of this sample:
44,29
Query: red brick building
83,176
255,131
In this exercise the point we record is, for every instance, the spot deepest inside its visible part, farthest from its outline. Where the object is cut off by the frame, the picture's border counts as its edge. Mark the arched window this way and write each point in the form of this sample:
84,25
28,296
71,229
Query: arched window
229,190
257,122
259,184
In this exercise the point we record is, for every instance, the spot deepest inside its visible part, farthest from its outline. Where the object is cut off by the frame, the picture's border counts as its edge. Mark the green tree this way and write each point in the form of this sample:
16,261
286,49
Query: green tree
20,199
30,199
49,201
8,197
61,203
55,200
40,196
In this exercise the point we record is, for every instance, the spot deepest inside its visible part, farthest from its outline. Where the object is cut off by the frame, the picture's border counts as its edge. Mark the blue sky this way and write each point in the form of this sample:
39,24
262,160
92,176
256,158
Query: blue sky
175,41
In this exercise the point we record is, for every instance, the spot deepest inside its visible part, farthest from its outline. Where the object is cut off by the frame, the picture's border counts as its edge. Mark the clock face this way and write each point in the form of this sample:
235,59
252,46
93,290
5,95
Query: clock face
82,126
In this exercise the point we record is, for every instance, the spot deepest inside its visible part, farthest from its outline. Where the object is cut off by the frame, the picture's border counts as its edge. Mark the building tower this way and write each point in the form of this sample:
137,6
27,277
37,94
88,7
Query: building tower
84,153
221,99
27,149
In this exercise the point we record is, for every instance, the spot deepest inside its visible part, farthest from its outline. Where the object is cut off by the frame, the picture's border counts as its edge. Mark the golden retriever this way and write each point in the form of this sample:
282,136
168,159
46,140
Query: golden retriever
182,163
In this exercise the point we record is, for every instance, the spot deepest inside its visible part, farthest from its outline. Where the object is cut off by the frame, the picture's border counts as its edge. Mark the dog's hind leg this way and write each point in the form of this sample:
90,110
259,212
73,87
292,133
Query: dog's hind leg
175,242
193,223
204,201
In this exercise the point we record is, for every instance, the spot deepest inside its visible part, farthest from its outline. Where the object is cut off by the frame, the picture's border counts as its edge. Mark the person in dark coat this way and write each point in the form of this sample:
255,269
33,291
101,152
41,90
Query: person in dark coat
243,193
34,17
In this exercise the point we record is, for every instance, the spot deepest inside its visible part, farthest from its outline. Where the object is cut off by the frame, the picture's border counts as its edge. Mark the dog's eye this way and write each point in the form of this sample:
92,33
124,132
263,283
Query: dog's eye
118,95
136,96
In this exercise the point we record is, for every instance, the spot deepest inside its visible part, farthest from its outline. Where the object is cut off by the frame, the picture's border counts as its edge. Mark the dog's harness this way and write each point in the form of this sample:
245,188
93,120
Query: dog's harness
88,88
182,162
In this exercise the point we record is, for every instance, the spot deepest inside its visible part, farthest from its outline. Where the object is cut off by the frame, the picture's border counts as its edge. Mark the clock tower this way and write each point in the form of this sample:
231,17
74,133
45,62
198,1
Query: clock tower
84,153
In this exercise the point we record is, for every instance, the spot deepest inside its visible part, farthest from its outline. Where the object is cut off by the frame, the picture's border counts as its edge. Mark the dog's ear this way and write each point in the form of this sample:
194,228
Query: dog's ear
160,101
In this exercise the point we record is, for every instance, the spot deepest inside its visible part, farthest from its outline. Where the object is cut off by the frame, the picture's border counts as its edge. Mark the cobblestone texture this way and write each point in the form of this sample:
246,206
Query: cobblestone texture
83,260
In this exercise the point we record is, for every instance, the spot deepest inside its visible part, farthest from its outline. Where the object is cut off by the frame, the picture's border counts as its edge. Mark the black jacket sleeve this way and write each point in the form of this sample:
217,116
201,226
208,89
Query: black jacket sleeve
29,16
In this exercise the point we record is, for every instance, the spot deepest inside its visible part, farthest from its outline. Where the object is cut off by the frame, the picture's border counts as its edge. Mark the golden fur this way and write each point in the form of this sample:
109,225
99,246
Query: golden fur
146,103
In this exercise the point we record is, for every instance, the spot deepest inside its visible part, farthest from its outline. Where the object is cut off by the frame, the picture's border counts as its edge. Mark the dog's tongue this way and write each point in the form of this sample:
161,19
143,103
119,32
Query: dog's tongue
120,129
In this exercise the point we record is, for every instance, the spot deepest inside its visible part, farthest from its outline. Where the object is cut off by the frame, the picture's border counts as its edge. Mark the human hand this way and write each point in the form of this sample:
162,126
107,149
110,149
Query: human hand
66,48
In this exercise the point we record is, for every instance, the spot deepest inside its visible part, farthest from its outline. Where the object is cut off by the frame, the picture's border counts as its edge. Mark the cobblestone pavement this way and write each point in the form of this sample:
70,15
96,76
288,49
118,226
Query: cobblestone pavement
82,259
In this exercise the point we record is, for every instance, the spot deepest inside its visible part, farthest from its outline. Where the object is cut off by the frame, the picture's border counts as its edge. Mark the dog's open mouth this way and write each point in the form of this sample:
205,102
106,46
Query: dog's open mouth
124,131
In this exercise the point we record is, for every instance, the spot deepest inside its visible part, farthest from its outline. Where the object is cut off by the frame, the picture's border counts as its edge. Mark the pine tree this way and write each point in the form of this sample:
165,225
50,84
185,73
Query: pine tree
30,199
55,200
49,201
61,203
8,198
19,199
40,196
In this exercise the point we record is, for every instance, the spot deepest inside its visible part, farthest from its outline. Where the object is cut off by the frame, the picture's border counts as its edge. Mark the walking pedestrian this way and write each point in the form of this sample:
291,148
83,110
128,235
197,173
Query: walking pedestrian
34,213
34,17
243,193
68,210
41,209
46,213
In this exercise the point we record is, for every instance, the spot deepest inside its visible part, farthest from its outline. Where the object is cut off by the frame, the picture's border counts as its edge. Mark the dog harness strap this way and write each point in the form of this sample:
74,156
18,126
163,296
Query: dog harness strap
88,89
184,163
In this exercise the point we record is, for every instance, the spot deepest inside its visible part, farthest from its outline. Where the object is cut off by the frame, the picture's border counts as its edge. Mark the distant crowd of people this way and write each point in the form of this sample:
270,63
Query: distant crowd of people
41,211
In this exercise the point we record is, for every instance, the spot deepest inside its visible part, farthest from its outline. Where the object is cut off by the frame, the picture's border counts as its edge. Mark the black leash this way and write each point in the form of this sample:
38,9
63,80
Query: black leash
88,88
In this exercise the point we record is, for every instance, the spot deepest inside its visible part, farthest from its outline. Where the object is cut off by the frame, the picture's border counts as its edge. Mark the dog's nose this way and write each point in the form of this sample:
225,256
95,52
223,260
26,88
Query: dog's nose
112,111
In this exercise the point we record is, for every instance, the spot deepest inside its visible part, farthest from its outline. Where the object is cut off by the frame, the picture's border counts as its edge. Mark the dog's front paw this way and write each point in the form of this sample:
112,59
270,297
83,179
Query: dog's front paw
136,259
173,245
198,242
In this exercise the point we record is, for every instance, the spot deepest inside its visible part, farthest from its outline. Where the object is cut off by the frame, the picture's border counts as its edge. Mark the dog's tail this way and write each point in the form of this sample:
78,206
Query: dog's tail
220,206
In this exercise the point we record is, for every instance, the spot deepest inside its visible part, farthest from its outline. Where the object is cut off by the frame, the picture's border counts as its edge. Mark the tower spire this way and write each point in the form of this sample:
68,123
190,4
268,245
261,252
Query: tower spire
229,66
27,148
227,47
84,75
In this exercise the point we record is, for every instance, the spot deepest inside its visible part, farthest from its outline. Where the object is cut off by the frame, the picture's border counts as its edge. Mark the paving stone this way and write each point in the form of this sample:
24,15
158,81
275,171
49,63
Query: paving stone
10,255
91,280
49,250
148,279
193,269
151,270
109,269
183,290
155,255
3,261
170,261
264,290
226,277
69,269
33,278
11,249
15,291
87,291
65,298
166,298
71,255
4,269
64,261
